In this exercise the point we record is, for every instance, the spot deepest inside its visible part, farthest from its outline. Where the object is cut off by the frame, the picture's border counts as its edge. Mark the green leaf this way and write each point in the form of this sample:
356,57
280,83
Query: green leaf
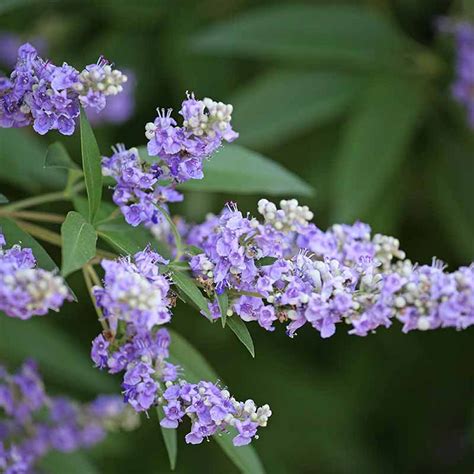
3,199
22,156
196,368
235,169
129,240
82,206
223,302
193,362
58,157
72,463
375,143
309,34
452,168
189,288
15,235
61,357
240,330
193,250
170,439
79,242
244,457
91,164
289,103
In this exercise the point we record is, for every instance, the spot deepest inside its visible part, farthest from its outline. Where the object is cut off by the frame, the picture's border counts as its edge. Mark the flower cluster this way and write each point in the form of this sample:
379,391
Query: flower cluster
463,32
180,151
138,191
34,423
134,291
49,97
212,410
135,301
289,270
25,290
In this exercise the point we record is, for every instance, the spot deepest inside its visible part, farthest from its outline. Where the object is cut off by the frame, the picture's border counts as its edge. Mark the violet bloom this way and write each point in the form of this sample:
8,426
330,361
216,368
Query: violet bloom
212,411
49,97
463,85
291,271
26,290
134,292
36,423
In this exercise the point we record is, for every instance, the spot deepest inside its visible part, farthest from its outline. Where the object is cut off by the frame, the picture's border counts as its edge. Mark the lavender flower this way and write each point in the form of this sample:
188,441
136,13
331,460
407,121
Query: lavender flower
462,87
212,411
49,97
35,423
322,278
134,292
25,290
141,186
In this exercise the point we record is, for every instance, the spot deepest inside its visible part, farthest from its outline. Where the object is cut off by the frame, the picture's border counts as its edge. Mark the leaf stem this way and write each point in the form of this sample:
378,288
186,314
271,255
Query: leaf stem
42,199
34,216
89,276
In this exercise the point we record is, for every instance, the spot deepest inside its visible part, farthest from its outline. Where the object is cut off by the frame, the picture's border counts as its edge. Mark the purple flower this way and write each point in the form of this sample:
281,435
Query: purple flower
25,290
49,96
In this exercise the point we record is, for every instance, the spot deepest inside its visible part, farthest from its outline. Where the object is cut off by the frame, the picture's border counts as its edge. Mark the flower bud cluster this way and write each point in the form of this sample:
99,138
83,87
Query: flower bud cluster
49,97
289,217
25,290
97,81
212,411
34,423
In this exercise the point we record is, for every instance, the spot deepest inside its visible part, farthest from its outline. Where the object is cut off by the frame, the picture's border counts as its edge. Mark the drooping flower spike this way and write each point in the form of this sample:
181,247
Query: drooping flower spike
49,97
136,300
26,290
34,423
343,275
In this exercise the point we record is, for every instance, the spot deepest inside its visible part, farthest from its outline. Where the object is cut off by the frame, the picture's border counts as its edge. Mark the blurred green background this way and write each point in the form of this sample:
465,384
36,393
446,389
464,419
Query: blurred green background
352,97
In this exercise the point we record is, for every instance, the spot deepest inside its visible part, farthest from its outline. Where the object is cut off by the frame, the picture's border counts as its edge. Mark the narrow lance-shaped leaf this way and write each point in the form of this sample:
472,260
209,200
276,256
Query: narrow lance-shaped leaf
58,157
375,143
310,34
79,240
189,288
239,328
289,103
235,169
196,368
170,439
91,164
223,301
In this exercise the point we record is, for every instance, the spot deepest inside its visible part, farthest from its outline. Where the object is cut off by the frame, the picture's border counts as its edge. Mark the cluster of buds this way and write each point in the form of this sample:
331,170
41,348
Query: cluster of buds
288,217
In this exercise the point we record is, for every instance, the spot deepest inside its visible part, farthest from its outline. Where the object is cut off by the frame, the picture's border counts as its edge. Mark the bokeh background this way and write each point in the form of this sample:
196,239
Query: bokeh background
354,98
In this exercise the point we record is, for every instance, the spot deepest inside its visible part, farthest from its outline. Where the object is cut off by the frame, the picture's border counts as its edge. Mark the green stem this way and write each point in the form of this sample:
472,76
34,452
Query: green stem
174,230
34,216
35,201
42,199
86,272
